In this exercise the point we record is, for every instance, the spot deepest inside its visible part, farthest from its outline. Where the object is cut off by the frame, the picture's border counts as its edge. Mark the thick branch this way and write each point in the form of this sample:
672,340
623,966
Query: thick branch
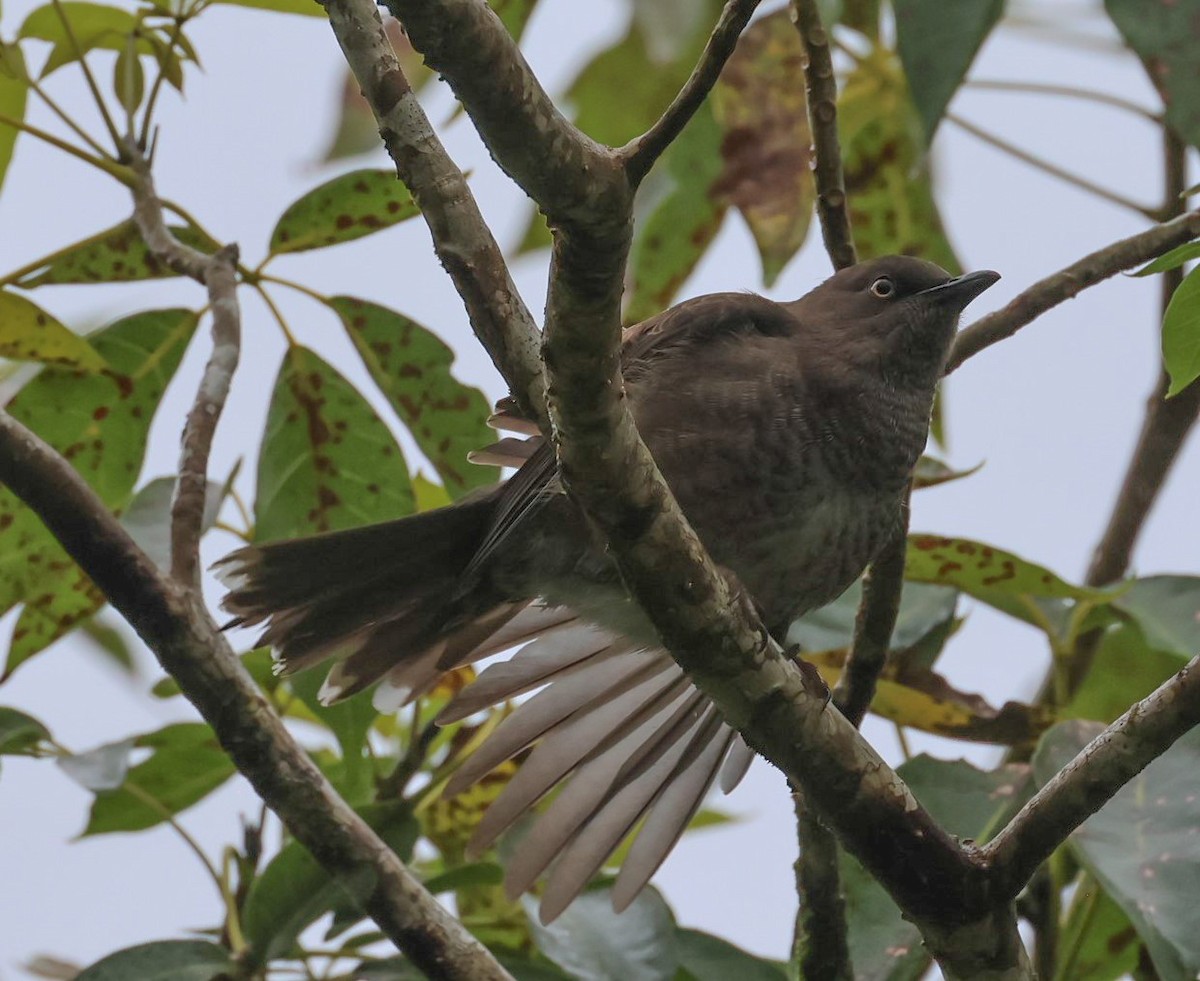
1071,281
218,274
462,240
820,84
1104,766
170,618
641,153
465,42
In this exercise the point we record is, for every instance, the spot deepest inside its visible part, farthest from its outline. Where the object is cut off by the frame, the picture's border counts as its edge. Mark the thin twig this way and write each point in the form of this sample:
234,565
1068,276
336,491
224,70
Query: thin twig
873,626
1033,160
61,113
1066,91
190,647
1102,768
641,153
218,274
1066,283
462,240
820,945
820,84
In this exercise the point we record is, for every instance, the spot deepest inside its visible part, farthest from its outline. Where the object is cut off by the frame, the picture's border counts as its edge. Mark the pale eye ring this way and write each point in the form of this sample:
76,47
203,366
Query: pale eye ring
883,287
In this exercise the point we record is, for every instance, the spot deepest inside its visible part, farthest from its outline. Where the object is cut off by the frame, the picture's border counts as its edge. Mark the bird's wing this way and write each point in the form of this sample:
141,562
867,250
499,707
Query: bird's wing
695,322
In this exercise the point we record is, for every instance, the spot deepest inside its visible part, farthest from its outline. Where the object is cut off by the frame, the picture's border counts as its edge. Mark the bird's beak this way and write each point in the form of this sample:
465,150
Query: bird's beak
964,289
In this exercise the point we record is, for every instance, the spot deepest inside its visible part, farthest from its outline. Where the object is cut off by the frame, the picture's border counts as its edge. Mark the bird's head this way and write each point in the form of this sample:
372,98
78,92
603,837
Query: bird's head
897,310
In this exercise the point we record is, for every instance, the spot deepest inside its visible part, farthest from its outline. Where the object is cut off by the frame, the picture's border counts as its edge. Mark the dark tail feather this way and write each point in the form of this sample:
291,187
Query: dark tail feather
378,596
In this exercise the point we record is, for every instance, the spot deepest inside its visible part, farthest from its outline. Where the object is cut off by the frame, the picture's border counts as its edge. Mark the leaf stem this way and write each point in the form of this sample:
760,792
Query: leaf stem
107,164
1053,169
163,811
61,113
292,284
275,312
1066,91
77,48
156,86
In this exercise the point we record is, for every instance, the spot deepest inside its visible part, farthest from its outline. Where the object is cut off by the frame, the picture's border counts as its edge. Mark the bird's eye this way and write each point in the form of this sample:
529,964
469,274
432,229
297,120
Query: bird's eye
883,287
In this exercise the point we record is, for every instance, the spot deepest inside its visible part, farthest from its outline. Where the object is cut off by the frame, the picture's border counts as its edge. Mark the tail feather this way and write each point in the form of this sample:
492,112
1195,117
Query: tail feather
379,595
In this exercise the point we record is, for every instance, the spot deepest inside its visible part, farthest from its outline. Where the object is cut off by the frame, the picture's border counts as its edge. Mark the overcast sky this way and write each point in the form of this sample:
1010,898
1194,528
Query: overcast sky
1054,413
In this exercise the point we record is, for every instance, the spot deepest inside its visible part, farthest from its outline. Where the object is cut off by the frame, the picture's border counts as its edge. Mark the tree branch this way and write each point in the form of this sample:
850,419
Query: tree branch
820,84
873,626
218,274
641,153
170,618
820,948
1071,281
1104,766
1165,426
462,240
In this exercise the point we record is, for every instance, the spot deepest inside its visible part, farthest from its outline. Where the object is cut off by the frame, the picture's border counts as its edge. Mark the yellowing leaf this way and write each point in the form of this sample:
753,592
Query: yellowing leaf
766,146
29,333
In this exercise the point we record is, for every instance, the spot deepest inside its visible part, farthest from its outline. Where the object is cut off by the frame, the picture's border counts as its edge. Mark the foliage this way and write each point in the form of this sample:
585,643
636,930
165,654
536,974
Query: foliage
329,459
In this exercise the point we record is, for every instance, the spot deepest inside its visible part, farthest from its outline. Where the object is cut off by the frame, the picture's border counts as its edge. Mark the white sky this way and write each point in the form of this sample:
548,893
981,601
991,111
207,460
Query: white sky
1053,412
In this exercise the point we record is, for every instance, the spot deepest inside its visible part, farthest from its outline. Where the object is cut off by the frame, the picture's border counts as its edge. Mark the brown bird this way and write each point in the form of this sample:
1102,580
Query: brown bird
787,431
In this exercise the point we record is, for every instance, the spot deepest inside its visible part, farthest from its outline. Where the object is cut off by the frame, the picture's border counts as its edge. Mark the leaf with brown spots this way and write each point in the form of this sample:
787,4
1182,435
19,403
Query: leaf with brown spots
766,145
672,239
29,333
998,578
327,461
1143,846
411,366
341,210
888,180
115,255
99,422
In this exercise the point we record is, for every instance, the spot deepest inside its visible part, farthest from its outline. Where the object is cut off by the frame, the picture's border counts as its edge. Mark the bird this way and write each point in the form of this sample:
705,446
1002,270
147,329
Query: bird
788,433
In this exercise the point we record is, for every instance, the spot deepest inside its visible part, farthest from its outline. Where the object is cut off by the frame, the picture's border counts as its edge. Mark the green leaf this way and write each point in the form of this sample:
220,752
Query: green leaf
670,241
465,877
129,81
998,578
1125,670
115,255
29,333
93,25
1181,334
1143,846
20,734
1164,36
831,627
1167,609
411,366
931,472
306,8
888,180
111,642
327,461
708,958
343,209
164,960
592,943
1171,260
14,90
293,891
185,766
937,42
349,720
100,423
765,145
513,14
967,802
148,517
646,68
1098,943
